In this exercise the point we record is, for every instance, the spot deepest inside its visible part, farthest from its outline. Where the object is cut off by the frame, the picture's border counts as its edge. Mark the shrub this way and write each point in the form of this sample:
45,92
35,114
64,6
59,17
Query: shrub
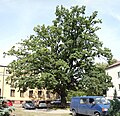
114,108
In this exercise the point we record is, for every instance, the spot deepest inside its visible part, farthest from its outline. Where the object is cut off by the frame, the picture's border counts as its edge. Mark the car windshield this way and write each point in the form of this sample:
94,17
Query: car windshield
42,102
101,100
29,102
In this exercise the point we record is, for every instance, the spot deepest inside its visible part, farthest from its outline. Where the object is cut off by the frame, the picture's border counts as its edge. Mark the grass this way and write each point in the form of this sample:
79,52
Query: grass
22,112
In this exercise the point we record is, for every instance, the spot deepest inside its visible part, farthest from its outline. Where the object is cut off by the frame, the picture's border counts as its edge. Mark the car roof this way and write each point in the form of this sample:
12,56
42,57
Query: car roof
88,97
28,101
42,101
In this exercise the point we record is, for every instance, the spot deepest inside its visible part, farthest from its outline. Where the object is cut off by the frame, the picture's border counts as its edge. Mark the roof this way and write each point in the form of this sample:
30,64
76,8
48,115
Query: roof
88,96
2,66
114,65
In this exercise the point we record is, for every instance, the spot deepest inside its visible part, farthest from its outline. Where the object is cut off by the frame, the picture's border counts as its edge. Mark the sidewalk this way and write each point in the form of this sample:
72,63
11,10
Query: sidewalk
62,111
59,111
17,105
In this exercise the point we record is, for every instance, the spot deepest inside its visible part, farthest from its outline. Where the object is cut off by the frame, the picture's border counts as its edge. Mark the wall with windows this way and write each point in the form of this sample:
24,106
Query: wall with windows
114,72
9,92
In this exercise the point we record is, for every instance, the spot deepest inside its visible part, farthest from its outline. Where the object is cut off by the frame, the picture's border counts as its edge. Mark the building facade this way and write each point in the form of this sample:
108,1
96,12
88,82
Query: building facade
16,96
114,72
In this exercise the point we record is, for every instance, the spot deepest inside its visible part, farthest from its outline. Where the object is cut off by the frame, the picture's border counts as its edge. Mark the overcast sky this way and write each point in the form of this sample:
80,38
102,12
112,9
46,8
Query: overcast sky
19,17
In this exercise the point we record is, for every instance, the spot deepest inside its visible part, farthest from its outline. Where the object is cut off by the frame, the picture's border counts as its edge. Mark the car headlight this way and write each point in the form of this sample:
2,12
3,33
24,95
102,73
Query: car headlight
104,109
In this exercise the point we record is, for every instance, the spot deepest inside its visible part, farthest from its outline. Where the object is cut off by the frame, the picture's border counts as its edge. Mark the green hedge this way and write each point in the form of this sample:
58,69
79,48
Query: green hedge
114,107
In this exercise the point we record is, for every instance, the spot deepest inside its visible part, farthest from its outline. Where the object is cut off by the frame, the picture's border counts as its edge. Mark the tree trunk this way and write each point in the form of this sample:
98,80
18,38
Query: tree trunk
63,97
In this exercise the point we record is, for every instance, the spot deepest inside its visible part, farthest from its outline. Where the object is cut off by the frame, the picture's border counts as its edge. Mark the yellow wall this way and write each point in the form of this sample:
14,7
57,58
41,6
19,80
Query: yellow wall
5,89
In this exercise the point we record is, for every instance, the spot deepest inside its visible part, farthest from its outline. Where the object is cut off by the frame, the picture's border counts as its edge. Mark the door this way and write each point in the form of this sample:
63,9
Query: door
83,106
90,106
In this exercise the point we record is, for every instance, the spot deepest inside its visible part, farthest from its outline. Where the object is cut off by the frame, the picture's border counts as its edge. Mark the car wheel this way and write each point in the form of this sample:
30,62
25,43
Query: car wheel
97,114
74,113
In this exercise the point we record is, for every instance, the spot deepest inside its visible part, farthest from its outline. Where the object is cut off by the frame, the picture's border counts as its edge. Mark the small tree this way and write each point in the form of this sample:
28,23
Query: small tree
114,108
96,81
115,94
114,105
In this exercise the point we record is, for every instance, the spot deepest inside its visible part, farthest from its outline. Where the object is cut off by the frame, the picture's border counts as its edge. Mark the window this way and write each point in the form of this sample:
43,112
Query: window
91,100
21,93
0,93
39,94
119,86
83,101
31,93
12,93
48,94
119,74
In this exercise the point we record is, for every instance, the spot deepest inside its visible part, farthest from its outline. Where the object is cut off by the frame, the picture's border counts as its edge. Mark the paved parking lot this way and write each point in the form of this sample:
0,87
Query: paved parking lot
41,112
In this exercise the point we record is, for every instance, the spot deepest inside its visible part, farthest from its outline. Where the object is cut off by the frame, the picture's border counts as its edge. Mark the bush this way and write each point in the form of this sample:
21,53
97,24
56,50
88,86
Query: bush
5,110
114,108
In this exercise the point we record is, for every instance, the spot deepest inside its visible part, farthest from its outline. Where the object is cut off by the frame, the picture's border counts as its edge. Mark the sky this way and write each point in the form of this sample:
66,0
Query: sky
19,17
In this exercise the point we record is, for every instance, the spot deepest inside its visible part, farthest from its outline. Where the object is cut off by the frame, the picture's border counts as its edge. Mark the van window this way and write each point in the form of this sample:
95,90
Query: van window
101,100
83,101
91,100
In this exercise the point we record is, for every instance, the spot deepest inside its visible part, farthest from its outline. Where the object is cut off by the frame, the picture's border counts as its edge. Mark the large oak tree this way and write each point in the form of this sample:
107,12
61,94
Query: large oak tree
61,57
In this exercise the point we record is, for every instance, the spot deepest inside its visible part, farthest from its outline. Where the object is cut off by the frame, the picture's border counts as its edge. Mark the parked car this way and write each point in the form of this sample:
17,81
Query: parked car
5,109
90,105
28,105
41,105
56,102
9,103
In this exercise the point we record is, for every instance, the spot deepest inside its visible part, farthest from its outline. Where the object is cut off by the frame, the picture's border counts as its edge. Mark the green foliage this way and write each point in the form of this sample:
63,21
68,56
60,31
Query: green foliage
96,81
5,111
74,93
112,61
61,57
114,108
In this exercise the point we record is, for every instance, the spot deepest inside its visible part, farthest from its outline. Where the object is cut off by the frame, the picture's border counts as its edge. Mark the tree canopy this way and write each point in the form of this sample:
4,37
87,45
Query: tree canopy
61,57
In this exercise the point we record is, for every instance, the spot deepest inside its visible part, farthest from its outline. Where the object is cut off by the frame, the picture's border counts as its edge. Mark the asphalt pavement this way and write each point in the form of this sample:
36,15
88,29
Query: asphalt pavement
44,110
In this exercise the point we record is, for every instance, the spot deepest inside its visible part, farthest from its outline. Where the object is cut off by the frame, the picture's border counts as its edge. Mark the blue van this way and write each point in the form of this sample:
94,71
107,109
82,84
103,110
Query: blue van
89,105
